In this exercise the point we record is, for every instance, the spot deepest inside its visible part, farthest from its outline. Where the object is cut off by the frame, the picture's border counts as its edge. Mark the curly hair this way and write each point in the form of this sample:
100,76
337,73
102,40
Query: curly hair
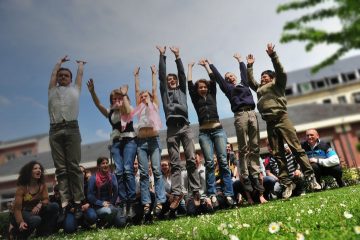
26,173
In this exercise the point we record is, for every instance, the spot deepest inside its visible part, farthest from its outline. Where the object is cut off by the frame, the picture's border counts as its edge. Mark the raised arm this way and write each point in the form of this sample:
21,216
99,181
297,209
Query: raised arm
137,85
190,67
154,84
91,88
180,68
80,73
281,77
242,67
53,78
250,73
206,64
125,108
224,86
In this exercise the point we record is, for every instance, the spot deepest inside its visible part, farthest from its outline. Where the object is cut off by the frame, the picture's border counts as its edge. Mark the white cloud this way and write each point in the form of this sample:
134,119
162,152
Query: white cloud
32,102
102,134
4,101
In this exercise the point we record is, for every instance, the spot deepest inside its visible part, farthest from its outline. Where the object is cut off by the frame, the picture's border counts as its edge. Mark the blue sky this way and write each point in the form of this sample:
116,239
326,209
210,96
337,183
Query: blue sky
114,37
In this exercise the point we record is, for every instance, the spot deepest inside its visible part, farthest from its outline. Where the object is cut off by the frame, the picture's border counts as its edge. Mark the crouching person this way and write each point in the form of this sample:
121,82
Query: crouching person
32,209
102,195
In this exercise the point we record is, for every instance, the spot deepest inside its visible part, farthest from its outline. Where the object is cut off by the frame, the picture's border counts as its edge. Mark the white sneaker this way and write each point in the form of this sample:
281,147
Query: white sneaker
288,190
313,184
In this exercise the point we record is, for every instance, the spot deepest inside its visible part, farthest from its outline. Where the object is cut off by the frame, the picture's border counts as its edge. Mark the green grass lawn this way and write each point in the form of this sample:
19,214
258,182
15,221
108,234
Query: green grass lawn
331,214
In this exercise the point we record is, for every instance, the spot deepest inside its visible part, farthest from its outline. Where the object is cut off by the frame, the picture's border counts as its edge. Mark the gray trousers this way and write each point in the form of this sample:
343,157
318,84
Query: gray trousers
175,135
247,133
65,143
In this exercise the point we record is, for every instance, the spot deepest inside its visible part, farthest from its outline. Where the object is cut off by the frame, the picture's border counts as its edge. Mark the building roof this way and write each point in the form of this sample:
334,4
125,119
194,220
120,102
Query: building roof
341,66
20,141
300,114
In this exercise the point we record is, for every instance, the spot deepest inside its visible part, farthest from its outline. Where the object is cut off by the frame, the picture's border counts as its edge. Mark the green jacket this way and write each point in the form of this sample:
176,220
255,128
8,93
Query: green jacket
271,97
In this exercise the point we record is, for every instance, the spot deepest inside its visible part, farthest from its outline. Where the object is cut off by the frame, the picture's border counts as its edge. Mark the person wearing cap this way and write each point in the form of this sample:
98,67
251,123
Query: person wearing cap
64,134
323,158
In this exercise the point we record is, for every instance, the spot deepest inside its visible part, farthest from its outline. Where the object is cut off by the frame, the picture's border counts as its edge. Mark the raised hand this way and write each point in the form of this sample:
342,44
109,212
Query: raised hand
124,89
81,62
270,48
237,56
191,64
175,50
90,85
202,62
162,50
207,61
64,59
153,69
250,59
136,71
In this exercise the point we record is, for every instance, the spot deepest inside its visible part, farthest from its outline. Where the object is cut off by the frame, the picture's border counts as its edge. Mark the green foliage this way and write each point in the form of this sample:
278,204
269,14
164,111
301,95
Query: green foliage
331,214
348,38
358,146
4,224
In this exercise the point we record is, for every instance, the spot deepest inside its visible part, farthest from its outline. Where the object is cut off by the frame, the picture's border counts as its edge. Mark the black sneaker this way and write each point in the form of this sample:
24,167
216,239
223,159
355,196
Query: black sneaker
257,185
130,207
247,184
196,196
62,214
77,211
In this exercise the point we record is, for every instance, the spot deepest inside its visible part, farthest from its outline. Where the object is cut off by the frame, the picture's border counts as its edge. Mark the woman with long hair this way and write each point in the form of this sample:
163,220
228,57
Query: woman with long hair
102,195
148,143
32,209
123,140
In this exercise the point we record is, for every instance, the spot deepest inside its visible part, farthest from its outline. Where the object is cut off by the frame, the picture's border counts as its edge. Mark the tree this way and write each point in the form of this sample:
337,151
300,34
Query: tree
348,38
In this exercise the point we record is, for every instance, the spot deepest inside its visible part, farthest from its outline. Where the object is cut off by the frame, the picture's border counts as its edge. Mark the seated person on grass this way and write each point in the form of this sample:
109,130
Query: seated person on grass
102,195
323,158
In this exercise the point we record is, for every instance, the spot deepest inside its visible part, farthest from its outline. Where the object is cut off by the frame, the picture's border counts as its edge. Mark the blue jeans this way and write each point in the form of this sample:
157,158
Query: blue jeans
210,139
150,148
124,153
44,222
112,215
71,224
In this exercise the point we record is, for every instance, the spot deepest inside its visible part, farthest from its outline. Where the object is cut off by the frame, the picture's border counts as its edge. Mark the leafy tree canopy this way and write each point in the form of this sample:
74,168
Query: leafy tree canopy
348,38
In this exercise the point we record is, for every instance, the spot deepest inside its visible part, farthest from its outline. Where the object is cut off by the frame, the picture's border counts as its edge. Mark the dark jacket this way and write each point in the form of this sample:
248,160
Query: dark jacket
174,101
240,96
205,106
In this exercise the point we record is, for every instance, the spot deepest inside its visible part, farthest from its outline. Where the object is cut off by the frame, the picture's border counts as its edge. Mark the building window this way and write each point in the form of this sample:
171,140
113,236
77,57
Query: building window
27,152
305,87
320,84
10,156
356,97
334,80
349,77
342,99
289,91
328,100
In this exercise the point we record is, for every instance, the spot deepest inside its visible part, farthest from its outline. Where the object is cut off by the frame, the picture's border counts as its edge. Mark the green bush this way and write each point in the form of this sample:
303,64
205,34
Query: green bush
4,224
351,176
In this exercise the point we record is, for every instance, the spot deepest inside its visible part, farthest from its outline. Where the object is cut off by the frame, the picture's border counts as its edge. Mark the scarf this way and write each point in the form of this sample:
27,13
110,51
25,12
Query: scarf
101,179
